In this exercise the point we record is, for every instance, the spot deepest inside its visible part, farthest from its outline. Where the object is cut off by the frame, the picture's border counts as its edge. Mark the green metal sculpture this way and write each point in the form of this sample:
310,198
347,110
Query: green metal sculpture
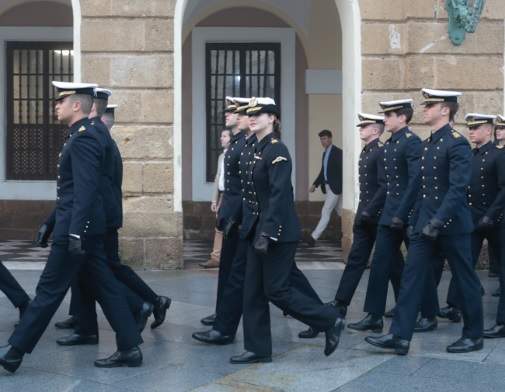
463,18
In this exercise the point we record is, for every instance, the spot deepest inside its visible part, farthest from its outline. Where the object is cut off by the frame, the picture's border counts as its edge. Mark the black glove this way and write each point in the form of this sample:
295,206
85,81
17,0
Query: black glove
485,223
365,218
42,236
432,229
396,223
228,228
261,245
75,246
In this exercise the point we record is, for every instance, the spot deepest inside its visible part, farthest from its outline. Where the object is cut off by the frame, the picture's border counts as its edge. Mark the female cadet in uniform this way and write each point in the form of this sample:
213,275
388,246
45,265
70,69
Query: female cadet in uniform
273,237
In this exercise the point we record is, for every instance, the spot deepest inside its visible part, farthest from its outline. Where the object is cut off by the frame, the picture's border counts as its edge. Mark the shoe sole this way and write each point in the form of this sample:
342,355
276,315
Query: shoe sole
374,330
308,337
259,360
223,343
425,330
10,367
452,351
397,351
78,344
135,364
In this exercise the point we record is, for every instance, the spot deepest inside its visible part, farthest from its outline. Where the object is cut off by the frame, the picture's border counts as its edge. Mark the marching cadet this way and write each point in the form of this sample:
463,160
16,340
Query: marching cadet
372,183
486,196
498,330
141,298
229,310
231,205
78,239
441,224
13,290
274,232
401,166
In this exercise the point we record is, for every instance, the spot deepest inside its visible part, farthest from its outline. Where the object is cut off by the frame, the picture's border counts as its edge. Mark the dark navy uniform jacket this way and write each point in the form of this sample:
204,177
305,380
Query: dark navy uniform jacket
231,204
372,180
446,169
79,203
334,172
250,207
112,179
486,192
401,166
273,192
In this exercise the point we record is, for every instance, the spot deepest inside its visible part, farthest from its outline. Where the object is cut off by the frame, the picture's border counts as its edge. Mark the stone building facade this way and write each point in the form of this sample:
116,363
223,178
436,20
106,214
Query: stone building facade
337,57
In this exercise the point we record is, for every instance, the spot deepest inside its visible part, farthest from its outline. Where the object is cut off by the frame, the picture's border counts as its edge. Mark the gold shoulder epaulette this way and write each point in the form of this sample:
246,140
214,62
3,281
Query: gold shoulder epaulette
274,141
455,134
82,128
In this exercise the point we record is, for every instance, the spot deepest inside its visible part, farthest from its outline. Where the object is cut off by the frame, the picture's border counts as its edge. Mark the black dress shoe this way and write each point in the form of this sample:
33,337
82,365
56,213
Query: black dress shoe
209,320
129,358
213,336
309,333
143,315
369,323
70,323
497,292
160,311
450,313
426,325
466,345
77,340
249,357
498,331
333,337
390,313
10,358
389,341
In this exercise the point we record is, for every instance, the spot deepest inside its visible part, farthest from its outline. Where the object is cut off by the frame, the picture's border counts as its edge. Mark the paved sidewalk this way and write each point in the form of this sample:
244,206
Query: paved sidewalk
175,362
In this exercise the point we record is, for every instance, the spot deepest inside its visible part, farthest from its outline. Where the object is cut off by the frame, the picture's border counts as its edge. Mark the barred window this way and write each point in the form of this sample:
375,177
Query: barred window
239,70
34,135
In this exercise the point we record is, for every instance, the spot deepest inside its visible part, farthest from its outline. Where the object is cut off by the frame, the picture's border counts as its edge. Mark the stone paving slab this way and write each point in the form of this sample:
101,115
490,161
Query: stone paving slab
175,362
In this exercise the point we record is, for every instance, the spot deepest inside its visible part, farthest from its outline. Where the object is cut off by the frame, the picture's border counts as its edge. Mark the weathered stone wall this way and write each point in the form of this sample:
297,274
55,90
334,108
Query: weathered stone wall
405,47
127,46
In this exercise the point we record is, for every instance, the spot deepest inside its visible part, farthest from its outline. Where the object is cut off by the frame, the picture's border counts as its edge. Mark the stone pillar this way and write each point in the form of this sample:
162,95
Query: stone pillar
127,46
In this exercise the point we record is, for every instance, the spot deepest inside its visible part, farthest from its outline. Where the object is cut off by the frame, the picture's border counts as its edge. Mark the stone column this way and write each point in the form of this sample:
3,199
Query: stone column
127,46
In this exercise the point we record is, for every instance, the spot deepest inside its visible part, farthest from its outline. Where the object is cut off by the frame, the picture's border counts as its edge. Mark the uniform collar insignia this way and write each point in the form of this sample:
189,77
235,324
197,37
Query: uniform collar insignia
82,129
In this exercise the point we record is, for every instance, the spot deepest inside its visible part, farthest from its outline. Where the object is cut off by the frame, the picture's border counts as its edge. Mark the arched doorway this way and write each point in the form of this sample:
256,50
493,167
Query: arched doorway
188,15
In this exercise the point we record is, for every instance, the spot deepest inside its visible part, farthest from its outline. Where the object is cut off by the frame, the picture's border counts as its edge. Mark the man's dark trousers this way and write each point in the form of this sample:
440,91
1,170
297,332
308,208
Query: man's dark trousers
231,306
457,250
124,273
228,252
11,288
54,282
387,264
364,236
493,239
